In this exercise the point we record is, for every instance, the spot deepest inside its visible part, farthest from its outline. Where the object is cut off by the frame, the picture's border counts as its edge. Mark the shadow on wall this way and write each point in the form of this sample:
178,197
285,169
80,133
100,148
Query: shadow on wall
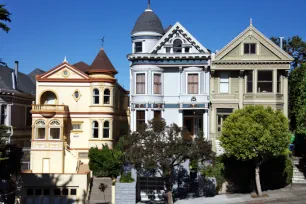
49,188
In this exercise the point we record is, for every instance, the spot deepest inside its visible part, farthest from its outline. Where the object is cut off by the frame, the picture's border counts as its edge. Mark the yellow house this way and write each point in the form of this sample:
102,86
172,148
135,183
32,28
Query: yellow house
77,107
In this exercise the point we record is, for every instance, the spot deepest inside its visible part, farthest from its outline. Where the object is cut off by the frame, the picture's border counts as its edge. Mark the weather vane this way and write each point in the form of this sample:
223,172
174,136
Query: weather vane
102,41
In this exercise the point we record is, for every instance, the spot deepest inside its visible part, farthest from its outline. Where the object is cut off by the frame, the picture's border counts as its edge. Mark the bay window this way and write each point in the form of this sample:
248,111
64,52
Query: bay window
55,130
40,130
265,82
140,83
157,83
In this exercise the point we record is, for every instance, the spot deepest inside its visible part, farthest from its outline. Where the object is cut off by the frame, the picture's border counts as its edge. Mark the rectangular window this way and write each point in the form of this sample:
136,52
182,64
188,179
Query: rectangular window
279,77
138,47
65,191
187,49
57,191
157,114
83,155
40,133
76,126
73,191
168,49
157,84
224,82
249,81
222,114
55,133
140,119
29,116
3,114
140,83
265,81
193,83
250,48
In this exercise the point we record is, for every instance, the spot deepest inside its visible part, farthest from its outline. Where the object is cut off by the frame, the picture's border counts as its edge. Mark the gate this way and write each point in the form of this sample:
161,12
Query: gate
150,188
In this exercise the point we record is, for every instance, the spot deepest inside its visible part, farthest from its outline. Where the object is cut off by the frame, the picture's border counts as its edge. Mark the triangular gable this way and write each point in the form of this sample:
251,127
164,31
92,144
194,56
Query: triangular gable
268,46
178,28
58,73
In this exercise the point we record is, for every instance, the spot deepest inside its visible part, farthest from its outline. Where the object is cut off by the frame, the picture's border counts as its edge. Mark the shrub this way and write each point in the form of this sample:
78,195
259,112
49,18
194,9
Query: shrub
217,171
127,178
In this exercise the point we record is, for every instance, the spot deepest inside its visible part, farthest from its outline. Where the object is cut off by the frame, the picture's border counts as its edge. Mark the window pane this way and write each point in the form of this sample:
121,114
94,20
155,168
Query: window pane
264,83
76,126
57,191
83,155
157,114
65,191
55,133
187,49
168,49
138,46
246,49
140,83
73,191
95,133
40,133
250,81
193,84
46,192
105,132
224,77
279,82
106,124
253,49
38,191
106,100
140,120
177,45
223,87
157,83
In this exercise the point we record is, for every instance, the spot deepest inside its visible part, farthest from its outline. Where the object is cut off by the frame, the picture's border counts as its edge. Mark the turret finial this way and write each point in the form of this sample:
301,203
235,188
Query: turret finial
251,22
65,60
149,6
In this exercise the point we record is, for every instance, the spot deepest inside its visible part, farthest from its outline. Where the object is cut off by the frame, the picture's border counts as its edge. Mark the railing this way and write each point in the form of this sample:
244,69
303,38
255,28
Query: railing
51,145
49,108
263,96
224,96
79,162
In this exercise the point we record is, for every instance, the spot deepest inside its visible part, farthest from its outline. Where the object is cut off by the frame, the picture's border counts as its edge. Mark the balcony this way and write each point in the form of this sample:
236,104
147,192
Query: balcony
47,145
263,96
49,110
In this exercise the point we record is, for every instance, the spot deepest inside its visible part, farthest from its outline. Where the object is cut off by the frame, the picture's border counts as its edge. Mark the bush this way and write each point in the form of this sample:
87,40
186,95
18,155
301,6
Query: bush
217,171
127,178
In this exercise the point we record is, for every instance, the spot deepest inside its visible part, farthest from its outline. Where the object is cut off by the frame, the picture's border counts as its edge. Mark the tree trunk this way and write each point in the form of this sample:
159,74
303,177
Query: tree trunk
257,178
170,198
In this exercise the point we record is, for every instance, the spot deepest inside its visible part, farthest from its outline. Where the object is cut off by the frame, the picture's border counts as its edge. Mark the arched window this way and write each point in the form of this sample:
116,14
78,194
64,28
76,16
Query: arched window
106,96
177,46
95,129
40,130
96,96
106,129
55,130
48,98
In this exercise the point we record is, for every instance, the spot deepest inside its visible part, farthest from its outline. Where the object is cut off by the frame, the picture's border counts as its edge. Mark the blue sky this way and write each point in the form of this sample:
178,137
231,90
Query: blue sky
43,32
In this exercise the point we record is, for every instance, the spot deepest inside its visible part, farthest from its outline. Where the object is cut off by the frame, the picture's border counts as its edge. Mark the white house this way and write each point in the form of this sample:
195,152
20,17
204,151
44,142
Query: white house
169,72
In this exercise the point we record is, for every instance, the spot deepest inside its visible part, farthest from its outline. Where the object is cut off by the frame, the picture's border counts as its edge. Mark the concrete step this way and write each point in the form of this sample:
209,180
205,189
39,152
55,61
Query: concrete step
298,181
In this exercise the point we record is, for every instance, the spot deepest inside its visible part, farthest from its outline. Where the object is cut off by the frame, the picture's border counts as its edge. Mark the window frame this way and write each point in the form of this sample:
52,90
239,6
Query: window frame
279,82
177,39
135,47
199,82
36,126
95,95
76,123
223,82
95,128
106,128
109,97
257,81
142,120
248,81
249,48
54,127
145,83
161,83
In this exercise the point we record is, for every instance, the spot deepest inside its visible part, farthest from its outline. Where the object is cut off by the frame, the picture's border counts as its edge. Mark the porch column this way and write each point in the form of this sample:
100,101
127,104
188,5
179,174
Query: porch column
285,93
9,115
275,81
181,79
133,120
241,84
255,80
205,124
180,121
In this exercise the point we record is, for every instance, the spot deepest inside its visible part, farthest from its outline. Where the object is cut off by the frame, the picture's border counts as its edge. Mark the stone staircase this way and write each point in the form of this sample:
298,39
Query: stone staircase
298,172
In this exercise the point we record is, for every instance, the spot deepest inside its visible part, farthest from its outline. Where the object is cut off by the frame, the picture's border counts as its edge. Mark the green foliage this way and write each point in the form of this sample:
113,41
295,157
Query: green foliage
216,170
255,133
4,17
127,178
288,171
106,162
297,97
296,47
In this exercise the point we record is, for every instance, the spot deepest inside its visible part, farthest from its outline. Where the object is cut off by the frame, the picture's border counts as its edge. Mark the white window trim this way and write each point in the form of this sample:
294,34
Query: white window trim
109,129
110,97
92,132
162,83
135,83
229,82
143,46
92,96
40,126
199,82
58,127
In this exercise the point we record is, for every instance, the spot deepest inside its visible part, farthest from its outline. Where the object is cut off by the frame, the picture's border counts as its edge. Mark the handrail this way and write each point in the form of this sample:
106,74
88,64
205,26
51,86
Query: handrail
79,161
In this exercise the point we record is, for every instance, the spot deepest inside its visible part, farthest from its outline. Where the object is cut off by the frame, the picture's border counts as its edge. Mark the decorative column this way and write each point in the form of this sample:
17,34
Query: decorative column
212,78
274,81
285,93
255,81
241,84
8,121
205,124
180,115
181,80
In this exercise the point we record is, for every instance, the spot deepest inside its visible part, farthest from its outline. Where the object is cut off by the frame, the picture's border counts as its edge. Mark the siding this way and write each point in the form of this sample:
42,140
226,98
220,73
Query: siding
234,81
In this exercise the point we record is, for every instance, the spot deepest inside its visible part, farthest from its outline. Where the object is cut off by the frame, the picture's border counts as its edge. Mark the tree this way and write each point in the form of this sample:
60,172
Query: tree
159,149
294,46
4,17
256,133
297,97
106,162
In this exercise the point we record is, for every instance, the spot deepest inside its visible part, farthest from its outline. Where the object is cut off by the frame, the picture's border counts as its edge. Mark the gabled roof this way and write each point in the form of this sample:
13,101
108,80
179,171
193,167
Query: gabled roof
184,32
102,64
24,82
82,66
261,37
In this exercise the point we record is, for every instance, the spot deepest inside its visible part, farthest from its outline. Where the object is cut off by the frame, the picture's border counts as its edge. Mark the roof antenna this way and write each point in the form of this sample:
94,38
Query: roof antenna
251,22
102,43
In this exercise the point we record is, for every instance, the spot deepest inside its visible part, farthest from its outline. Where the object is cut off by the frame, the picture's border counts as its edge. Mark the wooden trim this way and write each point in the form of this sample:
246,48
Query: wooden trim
77,80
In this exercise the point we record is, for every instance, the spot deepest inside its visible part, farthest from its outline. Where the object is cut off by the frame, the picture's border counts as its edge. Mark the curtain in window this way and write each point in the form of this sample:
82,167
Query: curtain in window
157,83
140,83
192,83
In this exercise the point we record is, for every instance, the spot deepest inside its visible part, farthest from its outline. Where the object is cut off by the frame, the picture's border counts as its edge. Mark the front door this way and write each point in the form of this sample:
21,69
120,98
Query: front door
46,165
189,125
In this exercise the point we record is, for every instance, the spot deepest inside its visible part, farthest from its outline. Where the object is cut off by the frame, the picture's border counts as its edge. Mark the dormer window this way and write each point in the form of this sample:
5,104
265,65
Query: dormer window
187,49
138,47
249,48
177,46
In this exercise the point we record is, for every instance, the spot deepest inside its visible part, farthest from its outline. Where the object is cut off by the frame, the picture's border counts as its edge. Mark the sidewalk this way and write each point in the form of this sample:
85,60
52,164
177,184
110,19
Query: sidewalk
282,196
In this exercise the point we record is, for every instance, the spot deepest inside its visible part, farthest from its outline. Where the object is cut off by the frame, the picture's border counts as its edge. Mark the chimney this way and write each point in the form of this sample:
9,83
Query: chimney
281,42
16,73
